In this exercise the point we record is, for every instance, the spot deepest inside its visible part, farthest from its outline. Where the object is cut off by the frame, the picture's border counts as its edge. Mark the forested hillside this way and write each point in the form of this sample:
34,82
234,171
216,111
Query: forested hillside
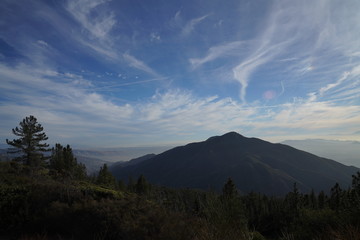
52,206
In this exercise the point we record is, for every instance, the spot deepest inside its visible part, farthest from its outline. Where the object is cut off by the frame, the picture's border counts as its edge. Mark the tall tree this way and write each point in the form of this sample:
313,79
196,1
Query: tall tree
335,197
105,178
229,190
63,163
29,143
230,209
321,200
356,182
142,186
313,200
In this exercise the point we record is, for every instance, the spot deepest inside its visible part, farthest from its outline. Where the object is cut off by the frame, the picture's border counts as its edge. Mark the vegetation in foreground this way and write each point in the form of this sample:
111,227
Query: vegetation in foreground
53,198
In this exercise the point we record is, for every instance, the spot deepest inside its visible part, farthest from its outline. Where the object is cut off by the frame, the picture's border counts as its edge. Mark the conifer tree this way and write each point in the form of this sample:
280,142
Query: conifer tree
335,197
231,207
229,189
105,178
356,182
29,144
313,200
64,164
321,200
131,184
142,186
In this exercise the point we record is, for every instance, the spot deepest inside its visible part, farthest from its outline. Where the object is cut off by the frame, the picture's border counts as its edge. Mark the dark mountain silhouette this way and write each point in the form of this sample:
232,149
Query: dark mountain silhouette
133,161
253,164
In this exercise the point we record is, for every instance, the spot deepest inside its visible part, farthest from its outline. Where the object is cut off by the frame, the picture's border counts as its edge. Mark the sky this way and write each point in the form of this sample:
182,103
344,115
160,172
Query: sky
102,73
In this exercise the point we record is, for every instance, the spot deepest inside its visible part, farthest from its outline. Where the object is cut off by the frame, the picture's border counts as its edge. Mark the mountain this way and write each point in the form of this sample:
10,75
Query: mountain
4,155
345,152
95,158
119,154
4,146
133,161
253,164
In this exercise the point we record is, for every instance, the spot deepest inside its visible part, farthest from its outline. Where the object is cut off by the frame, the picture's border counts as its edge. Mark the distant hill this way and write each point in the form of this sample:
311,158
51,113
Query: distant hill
133,161
119,154
253,164
95,158
345,152
4,155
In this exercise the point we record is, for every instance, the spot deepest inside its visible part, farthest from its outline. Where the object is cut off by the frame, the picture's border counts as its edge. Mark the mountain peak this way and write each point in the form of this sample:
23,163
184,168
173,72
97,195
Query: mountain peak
232,135
229,135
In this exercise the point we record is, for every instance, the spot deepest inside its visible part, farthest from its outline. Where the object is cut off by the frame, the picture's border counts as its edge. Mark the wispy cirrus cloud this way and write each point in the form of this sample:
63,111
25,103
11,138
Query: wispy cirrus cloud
99,20
190,25
60,100
138,64
272,42
330,86
92,17
345,88
301,36
111,87
96,21
243,71
216,52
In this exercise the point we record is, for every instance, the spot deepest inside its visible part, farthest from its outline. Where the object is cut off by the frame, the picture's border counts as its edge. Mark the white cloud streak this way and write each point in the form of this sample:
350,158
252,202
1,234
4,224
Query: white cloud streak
190,26
138,64
302,36
243,71
270,44
217,52
97,21
99,24
333,85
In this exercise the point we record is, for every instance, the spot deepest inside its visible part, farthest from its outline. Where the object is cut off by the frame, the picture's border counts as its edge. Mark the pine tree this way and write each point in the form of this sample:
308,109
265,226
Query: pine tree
105,178
142,186
131,184
29,144
313,200
64,164
229,189
230,209
321,200
335,197
355,192
356,182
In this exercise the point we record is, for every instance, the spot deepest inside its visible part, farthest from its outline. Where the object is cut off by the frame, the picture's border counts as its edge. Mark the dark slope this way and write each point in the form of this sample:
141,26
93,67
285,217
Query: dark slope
133,161
253,164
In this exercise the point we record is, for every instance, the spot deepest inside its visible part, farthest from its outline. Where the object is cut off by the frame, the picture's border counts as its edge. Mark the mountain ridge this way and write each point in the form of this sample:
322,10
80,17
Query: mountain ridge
254,164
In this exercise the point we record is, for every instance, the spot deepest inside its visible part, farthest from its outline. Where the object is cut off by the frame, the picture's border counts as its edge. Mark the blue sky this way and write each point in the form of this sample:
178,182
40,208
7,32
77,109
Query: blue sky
133,73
